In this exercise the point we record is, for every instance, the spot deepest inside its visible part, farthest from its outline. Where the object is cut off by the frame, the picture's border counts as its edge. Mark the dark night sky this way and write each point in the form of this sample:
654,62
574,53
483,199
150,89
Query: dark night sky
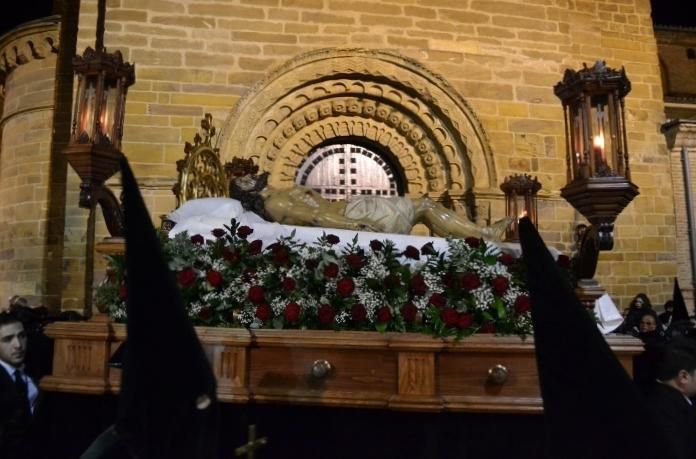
665,12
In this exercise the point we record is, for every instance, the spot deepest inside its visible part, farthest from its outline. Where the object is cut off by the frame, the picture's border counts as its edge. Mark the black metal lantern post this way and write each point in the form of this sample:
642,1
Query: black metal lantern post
94,148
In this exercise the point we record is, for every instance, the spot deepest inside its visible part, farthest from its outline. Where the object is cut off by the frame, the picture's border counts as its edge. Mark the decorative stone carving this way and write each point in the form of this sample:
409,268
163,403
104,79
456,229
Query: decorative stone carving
417,117
36,40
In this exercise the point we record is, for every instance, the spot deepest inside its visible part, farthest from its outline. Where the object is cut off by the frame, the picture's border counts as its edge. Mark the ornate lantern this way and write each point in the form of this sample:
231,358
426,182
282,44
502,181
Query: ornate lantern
95,141
520,200
599,185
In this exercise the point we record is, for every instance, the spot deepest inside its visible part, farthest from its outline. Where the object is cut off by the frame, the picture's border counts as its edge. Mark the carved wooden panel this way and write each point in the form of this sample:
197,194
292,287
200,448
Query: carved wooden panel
416,373
399,371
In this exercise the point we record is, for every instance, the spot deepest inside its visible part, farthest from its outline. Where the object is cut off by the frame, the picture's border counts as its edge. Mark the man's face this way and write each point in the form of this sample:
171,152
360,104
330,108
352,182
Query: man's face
688,382
647,324
13,343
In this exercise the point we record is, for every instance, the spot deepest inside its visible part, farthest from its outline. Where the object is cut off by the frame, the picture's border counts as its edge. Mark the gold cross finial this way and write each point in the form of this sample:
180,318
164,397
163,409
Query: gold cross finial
249,450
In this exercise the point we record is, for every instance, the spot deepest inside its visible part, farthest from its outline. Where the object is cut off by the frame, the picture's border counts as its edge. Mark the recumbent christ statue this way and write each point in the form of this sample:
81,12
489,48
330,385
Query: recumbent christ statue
305,207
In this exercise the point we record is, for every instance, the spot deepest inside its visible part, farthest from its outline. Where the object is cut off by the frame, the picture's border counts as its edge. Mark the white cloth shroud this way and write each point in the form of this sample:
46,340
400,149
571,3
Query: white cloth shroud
608,314
201,216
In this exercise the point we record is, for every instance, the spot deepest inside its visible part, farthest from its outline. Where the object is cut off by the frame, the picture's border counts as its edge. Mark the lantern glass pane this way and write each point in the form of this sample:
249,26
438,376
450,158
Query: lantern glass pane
87,108
108,109
601,132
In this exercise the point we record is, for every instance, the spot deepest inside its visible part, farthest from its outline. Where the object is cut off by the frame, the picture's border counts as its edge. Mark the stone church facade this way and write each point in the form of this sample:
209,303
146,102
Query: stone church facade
456,95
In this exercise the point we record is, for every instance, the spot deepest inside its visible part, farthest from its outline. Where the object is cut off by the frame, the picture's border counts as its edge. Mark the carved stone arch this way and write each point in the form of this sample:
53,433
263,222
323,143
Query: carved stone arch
394,101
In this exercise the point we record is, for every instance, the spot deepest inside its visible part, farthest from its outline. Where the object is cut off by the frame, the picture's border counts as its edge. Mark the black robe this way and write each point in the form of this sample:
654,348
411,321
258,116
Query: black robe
677,417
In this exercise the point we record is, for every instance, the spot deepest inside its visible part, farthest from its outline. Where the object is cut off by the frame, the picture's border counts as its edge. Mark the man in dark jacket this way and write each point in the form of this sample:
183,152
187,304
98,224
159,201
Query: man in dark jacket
18,392
670,399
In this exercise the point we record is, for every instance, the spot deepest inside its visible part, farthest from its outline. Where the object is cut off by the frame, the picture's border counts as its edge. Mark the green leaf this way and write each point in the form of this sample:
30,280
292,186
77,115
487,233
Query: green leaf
500,308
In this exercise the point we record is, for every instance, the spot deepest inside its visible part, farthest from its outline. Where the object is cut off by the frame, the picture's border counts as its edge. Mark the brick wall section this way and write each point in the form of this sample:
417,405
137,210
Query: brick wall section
679,69
26,136
683,135
504,57
680,88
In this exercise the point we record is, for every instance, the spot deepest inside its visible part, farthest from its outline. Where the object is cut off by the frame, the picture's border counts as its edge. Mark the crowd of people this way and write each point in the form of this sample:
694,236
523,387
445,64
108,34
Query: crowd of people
643,321
665,372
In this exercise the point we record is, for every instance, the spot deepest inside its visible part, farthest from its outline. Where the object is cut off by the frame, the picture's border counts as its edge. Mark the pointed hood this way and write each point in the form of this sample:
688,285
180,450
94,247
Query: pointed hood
591,406
167,405
679,311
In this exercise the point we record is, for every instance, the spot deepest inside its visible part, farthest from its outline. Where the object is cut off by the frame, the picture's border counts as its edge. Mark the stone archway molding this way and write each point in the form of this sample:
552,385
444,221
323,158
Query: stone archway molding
428,128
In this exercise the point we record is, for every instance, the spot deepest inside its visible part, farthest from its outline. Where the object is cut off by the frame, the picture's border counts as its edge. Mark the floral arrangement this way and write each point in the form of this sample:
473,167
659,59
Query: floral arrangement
233,281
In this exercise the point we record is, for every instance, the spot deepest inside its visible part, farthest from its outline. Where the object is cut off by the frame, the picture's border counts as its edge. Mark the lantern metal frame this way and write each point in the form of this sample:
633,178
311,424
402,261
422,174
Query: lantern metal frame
93,150
520,200
598,173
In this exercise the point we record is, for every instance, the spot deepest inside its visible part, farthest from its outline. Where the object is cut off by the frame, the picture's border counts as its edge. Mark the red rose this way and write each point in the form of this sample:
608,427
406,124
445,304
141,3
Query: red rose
412,253
230,255
345,286
465,321
506,259
197,239
358,313
428,249
522,304
409,312
331,270
256,294
500,285
292,312
448,280
376,246
255,247
214,278
204,313
218,232
249,274
122,293
473,241
186,277
281,255
263,312
487,327
470,281
437,300
289,284
450,317
563,261
326,314
418,286
332,239
244,231
354,261
384,314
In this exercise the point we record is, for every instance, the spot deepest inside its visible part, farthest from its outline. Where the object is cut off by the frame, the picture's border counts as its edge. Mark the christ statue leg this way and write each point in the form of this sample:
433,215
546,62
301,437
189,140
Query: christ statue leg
444,222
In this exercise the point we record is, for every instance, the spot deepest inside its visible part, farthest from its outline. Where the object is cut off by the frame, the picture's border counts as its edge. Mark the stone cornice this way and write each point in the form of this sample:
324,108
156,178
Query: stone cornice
680,133
31,40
